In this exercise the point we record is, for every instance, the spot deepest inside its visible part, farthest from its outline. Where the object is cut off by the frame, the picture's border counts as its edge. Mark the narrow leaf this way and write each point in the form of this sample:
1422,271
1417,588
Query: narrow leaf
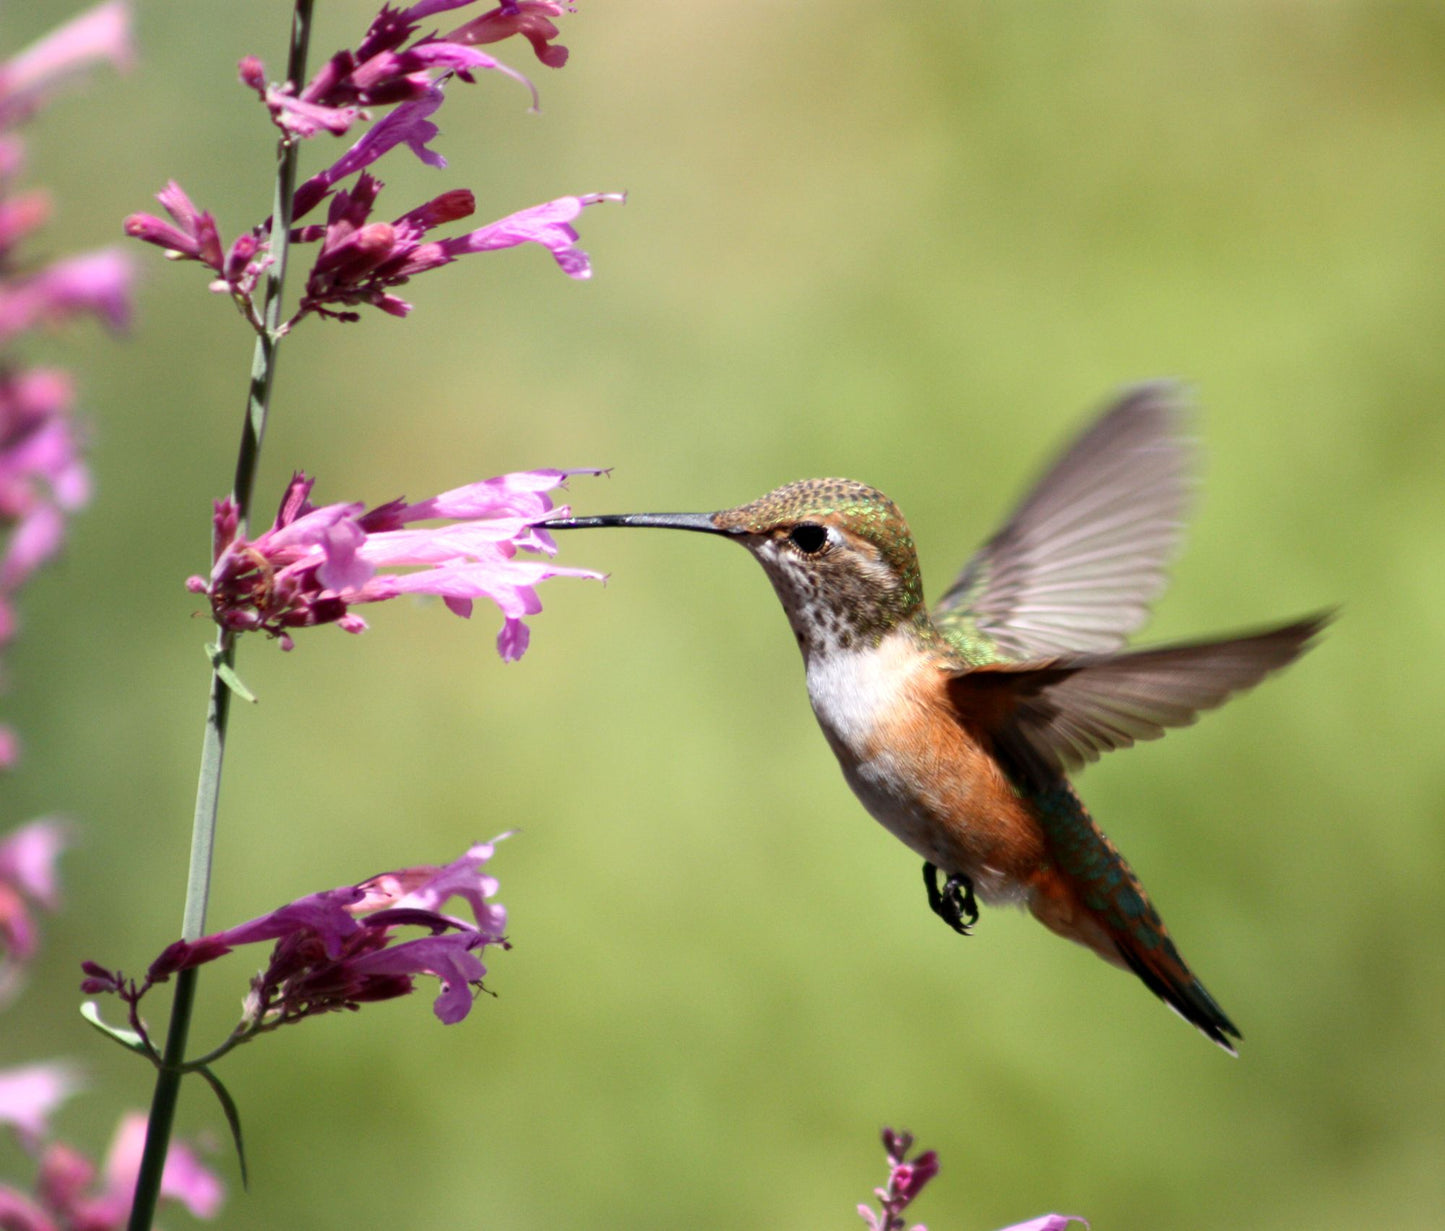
228,674
126,1038
233,1118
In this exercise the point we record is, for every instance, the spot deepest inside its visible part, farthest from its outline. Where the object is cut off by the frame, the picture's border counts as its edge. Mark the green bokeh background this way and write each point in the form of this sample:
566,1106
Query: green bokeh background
912,244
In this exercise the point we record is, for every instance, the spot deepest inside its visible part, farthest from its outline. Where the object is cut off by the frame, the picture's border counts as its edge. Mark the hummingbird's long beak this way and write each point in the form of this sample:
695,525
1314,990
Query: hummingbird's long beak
663,521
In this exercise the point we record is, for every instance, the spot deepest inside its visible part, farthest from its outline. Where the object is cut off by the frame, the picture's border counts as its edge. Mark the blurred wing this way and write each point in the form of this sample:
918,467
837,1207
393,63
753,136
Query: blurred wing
1053,717
1074,569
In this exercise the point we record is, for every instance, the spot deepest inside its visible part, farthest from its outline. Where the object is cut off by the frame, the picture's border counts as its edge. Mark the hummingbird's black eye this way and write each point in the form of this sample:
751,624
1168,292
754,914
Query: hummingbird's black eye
809,537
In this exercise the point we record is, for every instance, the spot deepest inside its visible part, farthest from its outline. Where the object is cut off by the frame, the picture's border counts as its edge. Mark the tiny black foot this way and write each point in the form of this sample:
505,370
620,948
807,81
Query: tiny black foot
954,903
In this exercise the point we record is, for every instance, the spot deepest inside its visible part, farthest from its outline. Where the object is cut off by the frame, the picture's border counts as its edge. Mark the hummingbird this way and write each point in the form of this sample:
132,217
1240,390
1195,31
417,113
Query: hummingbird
957,726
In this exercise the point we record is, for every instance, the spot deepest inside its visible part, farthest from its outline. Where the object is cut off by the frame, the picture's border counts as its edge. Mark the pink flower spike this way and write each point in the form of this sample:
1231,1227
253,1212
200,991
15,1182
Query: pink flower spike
99,34
29,1093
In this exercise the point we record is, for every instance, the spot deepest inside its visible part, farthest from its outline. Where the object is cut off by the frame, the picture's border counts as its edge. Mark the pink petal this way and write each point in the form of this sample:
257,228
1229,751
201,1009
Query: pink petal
28,857
463,878
407,124
449,958
324,913
29,1093
344,568
101,33
34,541
548,224
518,493
184,1178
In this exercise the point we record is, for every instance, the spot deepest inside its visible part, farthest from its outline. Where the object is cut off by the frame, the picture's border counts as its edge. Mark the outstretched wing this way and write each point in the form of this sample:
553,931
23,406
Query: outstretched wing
1048,718
1074,569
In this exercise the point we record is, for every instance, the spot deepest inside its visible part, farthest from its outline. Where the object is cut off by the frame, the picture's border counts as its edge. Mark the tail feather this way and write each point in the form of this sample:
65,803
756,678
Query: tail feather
1175,984
1090,894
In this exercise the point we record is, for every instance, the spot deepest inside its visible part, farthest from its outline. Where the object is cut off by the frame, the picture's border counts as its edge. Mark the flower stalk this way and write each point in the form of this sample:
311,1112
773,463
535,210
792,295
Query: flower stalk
213,743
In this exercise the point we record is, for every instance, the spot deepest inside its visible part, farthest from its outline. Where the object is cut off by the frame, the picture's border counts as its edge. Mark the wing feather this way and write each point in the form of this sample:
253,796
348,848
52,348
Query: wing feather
1049,718
1076,566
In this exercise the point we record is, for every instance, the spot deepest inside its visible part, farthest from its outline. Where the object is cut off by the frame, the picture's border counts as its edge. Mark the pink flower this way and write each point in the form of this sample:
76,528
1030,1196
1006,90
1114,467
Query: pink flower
41,472
907,1178
343,948
381,71
97,283
360,261
185,1179
192,236
529,18
27,879
100,33
314,564
29,1093
66,1179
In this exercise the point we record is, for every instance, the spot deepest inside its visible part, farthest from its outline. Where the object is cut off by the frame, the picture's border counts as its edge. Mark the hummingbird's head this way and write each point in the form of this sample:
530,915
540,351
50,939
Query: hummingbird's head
838,553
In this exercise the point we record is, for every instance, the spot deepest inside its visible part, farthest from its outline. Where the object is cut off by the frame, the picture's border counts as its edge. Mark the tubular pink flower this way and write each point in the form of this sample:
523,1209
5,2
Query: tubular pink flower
529,18
314,564
360,261
547,224
407,125
193,236
99,34
93,282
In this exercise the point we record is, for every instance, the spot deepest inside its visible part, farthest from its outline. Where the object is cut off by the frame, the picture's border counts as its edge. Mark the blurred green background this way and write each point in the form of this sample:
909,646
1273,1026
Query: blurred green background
911,244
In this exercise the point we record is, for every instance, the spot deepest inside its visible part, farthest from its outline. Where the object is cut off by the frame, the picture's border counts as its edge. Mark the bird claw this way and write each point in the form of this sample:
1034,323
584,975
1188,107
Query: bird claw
954,903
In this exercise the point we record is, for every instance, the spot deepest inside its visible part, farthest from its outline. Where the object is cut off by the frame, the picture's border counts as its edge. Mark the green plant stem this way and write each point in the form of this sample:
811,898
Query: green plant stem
213,744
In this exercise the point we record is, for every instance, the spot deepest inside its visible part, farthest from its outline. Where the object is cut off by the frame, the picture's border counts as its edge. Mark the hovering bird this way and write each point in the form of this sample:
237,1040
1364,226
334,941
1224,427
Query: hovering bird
957,727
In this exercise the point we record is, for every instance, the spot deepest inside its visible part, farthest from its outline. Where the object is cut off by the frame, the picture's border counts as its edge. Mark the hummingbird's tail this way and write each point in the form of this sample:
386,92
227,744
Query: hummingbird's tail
1089,894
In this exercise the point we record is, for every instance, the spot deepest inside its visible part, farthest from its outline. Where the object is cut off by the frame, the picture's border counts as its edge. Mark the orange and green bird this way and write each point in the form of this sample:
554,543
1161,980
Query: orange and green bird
957,726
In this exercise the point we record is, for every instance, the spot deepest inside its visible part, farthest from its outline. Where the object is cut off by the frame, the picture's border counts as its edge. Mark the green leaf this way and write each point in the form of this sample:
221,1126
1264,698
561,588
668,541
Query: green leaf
126,1038
233,1118
228,674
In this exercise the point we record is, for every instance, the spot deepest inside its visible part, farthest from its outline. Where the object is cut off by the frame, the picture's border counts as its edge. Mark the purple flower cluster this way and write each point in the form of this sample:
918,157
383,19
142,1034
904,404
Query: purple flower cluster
315,564
343,948
361,260
42,476
908,1177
